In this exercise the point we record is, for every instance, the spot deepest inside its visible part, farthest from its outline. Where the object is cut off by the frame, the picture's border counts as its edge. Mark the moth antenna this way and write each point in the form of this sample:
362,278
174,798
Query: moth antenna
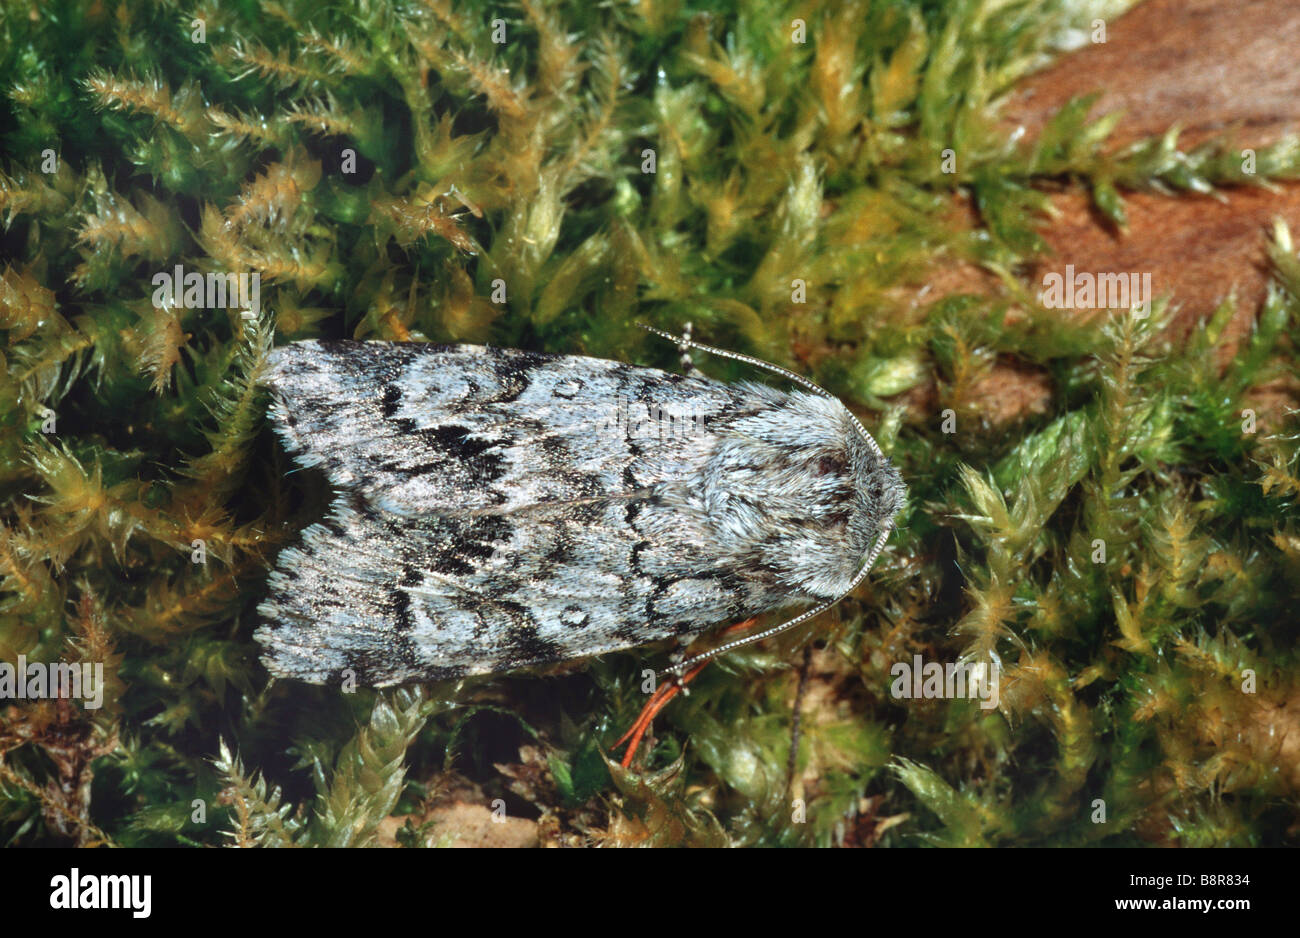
682,666
775,369
748,359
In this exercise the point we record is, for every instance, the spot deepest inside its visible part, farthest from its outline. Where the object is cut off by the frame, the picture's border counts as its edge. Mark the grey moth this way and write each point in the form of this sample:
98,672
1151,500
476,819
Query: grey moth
497,509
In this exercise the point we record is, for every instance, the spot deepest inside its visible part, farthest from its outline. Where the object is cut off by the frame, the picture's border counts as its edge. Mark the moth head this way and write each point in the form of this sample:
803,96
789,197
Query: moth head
879,495
849,493
799,496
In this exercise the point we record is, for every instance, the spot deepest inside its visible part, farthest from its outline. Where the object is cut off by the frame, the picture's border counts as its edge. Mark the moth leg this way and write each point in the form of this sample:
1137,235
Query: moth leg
662,695
658,700
684,347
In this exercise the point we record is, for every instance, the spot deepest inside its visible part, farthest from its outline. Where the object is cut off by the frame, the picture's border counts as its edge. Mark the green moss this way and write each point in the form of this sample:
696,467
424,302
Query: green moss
522,161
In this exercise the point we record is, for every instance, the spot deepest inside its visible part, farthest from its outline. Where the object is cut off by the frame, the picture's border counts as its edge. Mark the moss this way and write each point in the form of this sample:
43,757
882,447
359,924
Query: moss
381,166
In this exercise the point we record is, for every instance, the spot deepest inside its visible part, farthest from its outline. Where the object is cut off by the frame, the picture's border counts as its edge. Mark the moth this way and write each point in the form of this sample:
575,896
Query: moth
497,509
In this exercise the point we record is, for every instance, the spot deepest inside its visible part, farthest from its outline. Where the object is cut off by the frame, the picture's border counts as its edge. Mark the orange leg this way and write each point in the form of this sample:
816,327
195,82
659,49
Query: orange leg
659,699
657,702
